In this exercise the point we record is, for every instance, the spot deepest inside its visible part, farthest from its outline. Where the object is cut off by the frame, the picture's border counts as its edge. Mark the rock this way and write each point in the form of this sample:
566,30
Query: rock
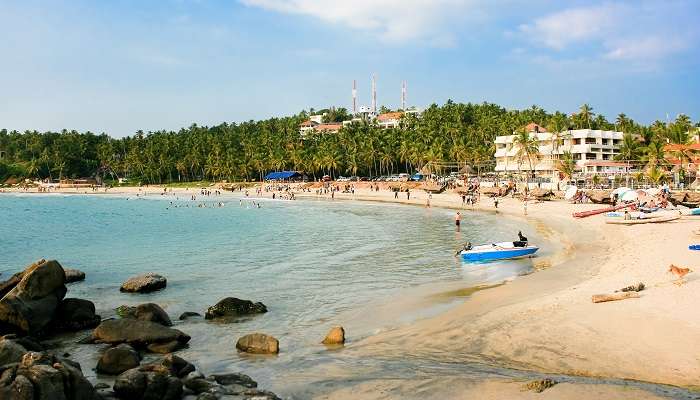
233,307
74,275
234,379
135,384
138,333
540,385
31,304
258,343
11,351
177,366
146,312
188,314
101,385
75,315
335,336
200,385
145,283
164,348
260,395
43,376
118,359
10,284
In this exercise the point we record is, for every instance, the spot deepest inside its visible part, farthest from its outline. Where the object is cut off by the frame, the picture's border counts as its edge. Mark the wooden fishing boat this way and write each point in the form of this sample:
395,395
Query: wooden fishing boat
584,214
664,218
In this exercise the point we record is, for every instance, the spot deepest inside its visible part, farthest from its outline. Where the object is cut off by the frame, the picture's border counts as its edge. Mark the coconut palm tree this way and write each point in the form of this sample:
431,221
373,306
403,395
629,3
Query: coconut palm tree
567,165
528,148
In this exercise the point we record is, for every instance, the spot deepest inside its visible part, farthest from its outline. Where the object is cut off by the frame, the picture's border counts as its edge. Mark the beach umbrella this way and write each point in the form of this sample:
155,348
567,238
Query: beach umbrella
629,195
619,191
570,192
653,191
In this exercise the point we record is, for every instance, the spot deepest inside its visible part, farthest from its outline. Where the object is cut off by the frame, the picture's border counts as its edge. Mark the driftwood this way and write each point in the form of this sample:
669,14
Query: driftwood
601,298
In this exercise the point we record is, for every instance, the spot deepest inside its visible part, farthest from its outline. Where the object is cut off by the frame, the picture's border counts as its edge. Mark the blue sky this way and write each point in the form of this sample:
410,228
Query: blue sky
119,66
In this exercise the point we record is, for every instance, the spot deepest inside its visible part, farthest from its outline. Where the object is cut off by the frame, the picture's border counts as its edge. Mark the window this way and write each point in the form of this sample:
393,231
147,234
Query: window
590,140
577,141
590,156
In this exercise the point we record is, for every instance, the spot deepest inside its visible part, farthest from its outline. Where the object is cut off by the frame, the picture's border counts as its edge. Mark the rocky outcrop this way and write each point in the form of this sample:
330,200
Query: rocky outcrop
140,334
10,284
30,305
43,376
75,315
232,307
189,314
336,336
10,351
258,343
226,386
146,312
118,359
74,275
136,384
145,283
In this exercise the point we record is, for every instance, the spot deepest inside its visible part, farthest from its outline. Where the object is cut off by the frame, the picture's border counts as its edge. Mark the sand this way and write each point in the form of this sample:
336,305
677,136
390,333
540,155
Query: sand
546,321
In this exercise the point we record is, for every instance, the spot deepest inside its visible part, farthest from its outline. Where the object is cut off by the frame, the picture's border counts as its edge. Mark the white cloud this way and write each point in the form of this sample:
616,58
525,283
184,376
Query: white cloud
563,28
613,31
392,20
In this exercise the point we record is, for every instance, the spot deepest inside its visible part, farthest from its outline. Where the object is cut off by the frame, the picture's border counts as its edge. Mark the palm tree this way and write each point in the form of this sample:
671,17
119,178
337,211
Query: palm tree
654,154
528,147
567,165
586,115
656,175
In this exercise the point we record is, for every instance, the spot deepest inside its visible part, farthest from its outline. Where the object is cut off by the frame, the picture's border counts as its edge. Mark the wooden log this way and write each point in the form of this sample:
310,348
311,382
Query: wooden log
600,298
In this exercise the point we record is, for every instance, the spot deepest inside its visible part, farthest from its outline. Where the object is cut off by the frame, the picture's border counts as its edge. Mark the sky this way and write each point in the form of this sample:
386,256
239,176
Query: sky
120,66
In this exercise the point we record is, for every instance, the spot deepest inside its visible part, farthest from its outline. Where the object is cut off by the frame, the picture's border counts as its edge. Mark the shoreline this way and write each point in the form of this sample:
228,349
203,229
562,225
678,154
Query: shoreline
547,318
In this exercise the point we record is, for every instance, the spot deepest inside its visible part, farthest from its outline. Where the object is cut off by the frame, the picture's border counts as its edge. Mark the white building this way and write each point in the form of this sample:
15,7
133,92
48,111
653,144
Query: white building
586,146
389,120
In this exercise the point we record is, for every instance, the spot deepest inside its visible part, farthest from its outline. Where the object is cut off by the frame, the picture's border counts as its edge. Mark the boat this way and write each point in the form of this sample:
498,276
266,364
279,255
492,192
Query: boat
694,247
497,251
584,214
663,218
691,211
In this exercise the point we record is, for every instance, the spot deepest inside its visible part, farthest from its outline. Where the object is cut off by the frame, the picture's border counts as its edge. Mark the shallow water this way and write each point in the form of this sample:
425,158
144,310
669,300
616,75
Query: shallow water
315,264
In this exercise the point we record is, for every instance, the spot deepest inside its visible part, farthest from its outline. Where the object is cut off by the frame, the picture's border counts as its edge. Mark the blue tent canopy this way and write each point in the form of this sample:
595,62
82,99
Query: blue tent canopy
282,175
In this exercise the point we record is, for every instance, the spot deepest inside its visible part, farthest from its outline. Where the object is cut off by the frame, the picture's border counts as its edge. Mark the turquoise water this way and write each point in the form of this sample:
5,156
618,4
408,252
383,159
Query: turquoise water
314,263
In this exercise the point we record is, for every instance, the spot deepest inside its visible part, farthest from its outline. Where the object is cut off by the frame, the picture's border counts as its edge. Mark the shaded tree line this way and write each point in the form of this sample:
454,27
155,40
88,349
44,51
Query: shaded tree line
453,132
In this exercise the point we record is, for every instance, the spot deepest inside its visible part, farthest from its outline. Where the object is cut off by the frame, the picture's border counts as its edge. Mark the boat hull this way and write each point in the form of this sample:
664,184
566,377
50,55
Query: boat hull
499,254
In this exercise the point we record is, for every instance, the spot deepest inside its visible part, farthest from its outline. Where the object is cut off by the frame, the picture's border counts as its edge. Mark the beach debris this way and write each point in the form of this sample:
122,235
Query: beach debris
118,359
234,307
634,288
601,298
679,272
189,314
29,305
336,336
258,343
146,312
75,315
41,375
540,385
149,282
74,275
139,334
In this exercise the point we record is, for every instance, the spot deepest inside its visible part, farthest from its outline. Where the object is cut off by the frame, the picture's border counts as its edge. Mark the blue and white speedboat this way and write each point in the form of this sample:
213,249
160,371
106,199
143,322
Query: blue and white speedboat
497,251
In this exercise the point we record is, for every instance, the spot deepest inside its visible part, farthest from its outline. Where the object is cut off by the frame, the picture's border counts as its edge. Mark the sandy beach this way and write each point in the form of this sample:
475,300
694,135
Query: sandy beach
546,321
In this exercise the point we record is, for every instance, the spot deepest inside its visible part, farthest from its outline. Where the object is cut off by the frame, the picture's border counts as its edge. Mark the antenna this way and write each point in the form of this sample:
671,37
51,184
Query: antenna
354,96
374,95
403,95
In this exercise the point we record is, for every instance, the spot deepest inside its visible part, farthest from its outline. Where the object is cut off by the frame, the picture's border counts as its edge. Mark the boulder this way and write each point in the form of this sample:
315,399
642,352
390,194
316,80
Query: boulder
118,359
30,305
75,315
145,283
189,314
258,343
335,336
10,351
10,284
74,275
146,312
234,379
136,384
137,333
233,307
43,376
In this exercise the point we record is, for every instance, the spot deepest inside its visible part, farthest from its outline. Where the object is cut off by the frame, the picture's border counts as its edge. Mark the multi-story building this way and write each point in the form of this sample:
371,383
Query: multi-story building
585,145
389,120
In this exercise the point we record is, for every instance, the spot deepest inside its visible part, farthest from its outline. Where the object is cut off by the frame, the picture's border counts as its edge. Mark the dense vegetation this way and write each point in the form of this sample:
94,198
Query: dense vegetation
452,132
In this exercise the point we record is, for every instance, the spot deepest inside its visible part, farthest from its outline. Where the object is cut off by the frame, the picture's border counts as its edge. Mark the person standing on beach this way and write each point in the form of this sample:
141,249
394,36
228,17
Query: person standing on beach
396,194
408,194
495,202
458,220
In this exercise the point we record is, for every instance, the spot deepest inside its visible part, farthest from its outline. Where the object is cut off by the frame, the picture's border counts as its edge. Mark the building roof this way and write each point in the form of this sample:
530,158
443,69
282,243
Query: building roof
328,127
308,123
604,164
533,127
676,147
390,115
